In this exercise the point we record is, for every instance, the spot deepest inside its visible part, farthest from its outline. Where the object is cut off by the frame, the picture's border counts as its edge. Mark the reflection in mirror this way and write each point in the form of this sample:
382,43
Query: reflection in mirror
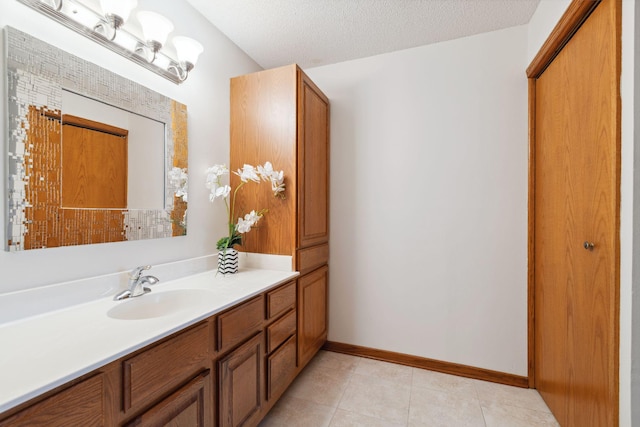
142,160
92,156
94,165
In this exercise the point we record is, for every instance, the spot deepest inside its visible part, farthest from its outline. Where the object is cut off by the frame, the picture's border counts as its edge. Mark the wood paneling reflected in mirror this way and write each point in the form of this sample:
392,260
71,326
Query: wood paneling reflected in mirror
89,152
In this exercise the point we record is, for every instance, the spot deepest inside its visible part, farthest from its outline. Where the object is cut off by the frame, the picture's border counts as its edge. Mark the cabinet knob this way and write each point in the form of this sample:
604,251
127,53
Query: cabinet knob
588,246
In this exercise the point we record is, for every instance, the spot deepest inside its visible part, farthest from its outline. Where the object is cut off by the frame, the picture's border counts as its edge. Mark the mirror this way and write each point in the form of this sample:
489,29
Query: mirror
93,157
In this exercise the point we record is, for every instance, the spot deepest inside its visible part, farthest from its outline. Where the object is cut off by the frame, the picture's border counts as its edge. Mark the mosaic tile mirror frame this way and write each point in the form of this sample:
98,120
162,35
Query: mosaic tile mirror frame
41,213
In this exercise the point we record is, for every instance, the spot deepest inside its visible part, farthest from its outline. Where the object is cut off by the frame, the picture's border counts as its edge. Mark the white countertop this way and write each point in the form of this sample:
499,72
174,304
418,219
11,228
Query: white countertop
42,352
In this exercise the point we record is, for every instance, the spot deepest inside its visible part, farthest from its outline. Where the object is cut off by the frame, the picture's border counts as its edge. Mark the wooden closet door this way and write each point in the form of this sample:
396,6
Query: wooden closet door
576,205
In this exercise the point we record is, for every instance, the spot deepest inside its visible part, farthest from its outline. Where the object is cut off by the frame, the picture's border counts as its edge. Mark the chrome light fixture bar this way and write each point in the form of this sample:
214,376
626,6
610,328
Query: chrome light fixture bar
107,29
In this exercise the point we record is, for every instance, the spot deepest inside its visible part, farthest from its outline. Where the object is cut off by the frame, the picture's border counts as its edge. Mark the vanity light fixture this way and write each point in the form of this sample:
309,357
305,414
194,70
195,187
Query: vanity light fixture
116,12
188,51
108,28
156,29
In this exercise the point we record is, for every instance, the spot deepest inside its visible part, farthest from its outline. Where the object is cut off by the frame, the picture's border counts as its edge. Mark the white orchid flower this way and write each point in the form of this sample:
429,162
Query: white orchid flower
219,191
214,173
243,226
212,182
249,220
223,191
252,217
248,173
277,183
265,171
218,170
276,178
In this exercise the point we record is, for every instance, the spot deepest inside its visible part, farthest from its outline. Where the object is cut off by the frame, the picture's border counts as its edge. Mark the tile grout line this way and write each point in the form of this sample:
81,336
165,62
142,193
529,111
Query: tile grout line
394,382
346,387
477,392
484,419
410,396
332,416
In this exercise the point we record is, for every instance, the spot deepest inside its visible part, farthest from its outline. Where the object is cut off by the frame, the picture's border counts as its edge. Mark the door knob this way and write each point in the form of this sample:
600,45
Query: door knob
588,246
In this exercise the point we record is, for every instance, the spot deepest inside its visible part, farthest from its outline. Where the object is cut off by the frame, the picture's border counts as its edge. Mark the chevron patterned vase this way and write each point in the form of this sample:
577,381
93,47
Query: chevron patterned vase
228,261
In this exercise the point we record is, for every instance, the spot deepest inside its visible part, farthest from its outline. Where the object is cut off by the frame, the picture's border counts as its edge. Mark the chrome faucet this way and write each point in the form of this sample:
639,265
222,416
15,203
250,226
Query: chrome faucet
136,284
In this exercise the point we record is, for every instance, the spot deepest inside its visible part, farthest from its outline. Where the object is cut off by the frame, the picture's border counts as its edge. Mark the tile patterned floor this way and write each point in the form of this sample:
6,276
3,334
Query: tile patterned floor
338,390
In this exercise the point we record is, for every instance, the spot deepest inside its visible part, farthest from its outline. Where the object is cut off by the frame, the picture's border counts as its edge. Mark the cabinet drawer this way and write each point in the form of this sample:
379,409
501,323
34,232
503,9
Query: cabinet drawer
280,330
236,325
163,367
281,299
281,367
313,257
80,404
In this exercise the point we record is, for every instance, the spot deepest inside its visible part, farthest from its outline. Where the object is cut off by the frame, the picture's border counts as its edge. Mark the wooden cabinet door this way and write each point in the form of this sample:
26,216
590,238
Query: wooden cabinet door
242,384
313,164
312,313
186,407
79,405
281,368
263,128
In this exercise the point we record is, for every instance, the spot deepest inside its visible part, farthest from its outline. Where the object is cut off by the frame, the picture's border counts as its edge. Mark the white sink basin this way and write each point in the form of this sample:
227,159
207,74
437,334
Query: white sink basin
158,304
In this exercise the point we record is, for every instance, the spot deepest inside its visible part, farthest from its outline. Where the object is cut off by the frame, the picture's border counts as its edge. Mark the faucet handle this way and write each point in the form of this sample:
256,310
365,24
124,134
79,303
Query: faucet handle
135,274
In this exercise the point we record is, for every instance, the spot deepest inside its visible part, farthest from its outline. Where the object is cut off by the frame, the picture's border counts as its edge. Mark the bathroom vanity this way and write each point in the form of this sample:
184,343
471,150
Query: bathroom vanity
202,350
221,355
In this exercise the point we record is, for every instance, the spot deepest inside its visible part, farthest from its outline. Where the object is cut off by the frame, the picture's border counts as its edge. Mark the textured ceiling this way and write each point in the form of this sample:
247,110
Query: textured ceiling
319,32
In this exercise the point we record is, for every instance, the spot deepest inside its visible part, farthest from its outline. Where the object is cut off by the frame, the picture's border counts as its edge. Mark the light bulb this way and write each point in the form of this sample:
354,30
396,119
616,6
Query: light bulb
155,27
120,8
187,50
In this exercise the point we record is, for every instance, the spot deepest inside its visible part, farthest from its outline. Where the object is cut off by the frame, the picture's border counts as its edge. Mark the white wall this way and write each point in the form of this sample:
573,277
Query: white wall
629,238
546,17
206,94
429,201
629,230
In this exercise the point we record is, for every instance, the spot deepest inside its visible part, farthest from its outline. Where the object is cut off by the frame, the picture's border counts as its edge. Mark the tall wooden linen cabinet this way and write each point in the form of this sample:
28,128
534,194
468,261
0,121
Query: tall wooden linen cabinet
281,116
